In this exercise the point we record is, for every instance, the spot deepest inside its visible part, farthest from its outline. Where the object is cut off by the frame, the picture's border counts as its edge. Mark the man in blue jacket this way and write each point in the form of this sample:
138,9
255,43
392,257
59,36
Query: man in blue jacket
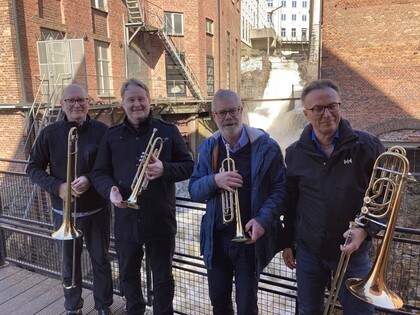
259,180
328,172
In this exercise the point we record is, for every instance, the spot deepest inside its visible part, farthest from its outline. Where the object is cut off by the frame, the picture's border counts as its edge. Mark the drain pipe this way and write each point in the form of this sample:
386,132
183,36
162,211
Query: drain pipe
19,52
219,49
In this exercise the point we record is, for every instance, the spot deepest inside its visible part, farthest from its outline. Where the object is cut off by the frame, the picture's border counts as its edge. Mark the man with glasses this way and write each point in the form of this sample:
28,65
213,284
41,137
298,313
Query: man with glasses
92,211
259,181
328,172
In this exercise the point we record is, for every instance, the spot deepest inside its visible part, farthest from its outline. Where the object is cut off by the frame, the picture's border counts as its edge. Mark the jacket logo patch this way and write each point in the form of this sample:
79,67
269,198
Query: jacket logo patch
348,161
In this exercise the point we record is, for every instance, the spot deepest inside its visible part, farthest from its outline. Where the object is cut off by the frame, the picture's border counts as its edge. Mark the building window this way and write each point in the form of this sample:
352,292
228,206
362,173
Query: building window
174,23
269,3
294,4
283,17
304,34
269,18
228,61
100,4
283,32
304,4
303,17
210,75
293,17
175,82
283,4
103,68
209,26
293,32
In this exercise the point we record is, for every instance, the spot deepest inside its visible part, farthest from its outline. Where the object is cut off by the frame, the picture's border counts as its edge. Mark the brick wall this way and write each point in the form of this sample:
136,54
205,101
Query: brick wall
370,48
10,88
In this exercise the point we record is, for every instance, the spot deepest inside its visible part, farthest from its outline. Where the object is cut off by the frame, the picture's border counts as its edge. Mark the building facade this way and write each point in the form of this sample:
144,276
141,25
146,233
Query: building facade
183,51
290,19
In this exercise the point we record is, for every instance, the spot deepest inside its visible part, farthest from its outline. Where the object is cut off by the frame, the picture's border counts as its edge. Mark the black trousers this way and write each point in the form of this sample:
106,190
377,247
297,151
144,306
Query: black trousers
96,235
160,254
232,259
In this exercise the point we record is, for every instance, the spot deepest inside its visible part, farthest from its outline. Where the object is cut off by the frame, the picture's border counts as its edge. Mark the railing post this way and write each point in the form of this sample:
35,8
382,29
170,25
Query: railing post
3,262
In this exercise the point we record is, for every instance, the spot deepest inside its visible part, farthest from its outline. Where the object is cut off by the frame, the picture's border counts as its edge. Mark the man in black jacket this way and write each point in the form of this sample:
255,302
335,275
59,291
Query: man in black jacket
92,211
328,172
154,223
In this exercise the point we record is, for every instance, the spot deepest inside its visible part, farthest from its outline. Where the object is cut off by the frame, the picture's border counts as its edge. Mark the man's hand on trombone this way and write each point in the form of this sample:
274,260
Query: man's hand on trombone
79,186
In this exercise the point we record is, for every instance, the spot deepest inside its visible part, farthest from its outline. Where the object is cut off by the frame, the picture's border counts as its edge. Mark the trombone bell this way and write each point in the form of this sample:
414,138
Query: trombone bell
374,291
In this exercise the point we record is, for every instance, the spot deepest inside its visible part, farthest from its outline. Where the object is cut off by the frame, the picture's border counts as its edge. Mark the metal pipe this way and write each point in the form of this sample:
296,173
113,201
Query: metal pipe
19,51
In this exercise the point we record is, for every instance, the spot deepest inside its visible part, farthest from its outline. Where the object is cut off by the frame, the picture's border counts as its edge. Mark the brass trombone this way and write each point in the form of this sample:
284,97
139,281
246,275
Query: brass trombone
67,231
140,181
382,200
230,201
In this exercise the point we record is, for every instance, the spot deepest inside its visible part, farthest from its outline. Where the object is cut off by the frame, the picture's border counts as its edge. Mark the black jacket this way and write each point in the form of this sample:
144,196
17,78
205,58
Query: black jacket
327,193
50,150
116,165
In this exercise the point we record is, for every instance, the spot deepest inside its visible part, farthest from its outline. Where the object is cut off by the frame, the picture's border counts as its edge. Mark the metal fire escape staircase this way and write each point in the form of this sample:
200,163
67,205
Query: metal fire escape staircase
136,22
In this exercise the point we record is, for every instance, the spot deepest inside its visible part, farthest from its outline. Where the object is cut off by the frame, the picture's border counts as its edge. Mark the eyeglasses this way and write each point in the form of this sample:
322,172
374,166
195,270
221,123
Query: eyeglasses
72,101
319,110
232,112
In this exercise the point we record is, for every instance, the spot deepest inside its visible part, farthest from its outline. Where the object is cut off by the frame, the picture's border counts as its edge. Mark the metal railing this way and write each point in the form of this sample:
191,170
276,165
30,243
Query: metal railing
27,243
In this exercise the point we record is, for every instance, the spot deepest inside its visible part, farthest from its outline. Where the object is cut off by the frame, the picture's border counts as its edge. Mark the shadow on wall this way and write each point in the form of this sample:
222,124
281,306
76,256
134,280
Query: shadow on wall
373,96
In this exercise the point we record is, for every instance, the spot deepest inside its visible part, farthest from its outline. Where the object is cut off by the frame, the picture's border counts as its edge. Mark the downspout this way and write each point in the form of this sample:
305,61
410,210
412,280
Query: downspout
19,52
320,37
219,48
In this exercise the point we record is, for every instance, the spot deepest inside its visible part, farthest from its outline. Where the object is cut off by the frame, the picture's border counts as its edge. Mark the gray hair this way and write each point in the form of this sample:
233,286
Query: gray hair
321,84
135,82
222,94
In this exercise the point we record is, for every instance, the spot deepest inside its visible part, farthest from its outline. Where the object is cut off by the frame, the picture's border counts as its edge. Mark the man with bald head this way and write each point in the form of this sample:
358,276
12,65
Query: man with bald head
92,211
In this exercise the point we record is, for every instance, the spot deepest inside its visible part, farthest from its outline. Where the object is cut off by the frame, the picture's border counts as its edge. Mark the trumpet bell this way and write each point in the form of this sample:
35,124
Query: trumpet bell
132,202
240,238
374,291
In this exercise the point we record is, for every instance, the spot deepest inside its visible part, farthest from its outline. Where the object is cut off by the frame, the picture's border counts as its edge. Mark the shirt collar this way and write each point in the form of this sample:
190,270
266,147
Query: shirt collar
243,140
334,142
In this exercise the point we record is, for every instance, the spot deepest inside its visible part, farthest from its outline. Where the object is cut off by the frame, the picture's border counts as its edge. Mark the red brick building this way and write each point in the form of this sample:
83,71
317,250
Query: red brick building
183,50
371,49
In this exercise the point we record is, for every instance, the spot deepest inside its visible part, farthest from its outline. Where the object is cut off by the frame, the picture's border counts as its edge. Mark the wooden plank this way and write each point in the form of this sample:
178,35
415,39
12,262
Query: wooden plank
18,283
57,306
39,297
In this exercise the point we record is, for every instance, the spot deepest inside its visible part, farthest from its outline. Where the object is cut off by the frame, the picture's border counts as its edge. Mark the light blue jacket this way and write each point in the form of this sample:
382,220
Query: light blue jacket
268,196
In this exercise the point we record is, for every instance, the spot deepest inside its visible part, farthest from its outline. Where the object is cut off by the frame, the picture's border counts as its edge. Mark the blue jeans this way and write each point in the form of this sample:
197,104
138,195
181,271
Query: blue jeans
313,275
232,259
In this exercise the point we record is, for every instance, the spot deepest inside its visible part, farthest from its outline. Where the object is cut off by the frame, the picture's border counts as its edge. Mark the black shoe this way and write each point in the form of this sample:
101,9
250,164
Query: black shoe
75,312
104,311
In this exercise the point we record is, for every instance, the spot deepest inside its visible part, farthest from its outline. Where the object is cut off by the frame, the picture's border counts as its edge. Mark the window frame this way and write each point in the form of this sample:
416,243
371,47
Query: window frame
209,27
173,31
97,5
102,63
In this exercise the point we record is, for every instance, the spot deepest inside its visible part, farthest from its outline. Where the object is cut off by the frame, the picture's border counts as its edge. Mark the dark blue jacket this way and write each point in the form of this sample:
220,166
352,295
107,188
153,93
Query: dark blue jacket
325,194
267,198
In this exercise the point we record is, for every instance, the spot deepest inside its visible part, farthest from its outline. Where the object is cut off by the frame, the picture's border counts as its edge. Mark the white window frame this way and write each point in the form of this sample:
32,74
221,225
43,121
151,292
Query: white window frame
209,26
283,17
293,17
103,68
170,29
303,17
100,4
294,4
304,4
293,32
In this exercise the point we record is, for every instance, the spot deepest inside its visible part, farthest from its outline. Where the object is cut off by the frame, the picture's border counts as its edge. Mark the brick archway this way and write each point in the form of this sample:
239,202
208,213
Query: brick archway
394,124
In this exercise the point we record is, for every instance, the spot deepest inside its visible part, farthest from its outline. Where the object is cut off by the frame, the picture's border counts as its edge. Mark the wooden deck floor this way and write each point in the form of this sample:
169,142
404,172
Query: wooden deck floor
23,292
